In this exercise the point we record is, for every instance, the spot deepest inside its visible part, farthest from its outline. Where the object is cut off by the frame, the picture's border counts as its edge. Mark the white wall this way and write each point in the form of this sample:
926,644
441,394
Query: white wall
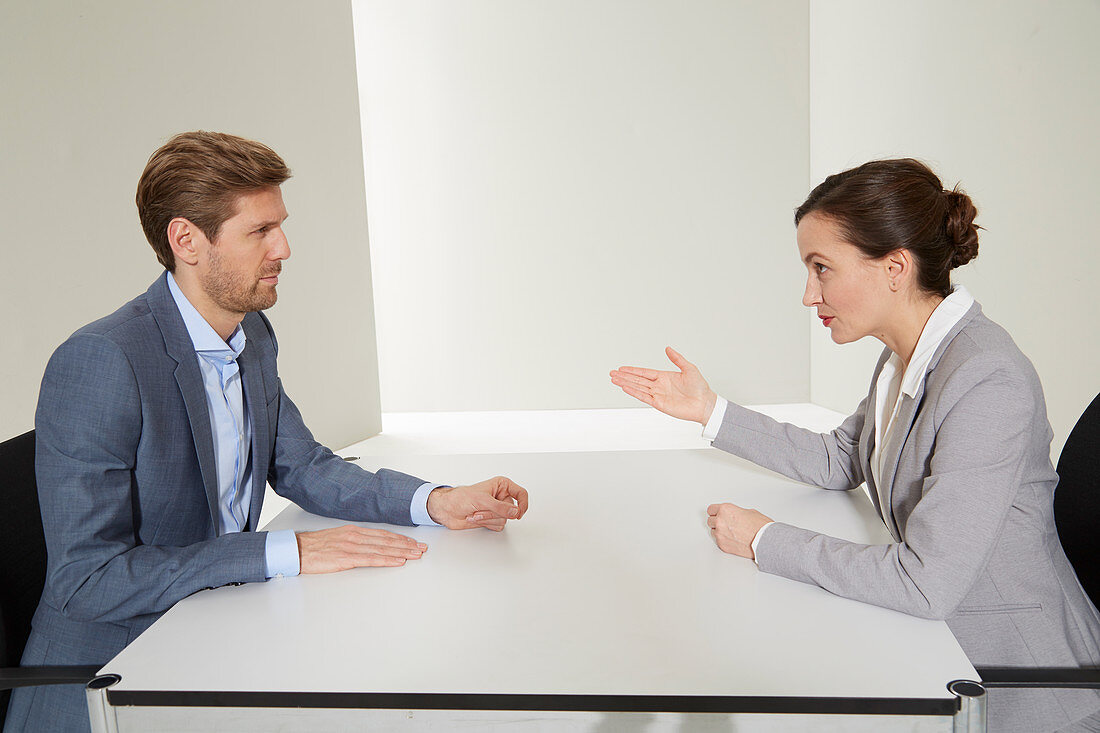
560,187
1004,97
90,89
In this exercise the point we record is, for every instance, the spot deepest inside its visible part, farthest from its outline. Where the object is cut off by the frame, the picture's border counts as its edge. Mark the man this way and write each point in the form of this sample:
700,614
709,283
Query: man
158,426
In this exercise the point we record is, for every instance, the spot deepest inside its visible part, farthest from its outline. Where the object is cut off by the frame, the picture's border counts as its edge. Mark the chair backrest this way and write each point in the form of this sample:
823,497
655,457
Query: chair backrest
22,546
1077,500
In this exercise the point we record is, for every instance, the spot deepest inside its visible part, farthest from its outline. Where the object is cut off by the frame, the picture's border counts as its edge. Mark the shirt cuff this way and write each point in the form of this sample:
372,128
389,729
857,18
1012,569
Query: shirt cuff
281,554
418,509
756,540
710,432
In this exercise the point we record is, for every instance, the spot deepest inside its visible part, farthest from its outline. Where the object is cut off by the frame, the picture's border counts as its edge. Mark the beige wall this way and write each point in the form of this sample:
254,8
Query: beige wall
90,89
1004,97
559,188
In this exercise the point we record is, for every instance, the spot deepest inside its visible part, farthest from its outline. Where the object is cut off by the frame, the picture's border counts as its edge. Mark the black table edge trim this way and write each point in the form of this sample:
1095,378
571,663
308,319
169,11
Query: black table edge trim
548,703
1050,677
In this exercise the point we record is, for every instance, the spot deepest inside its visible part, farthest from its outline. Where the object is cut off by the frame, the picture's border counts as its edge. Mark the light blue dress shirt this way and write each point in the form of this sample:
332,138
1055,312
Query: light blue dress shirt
231,426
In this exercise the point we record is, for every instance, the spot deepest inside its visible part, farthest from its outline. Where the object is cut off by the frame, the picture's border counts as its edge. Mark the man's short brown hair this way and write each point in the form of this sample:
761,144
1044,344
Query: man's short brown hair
199,176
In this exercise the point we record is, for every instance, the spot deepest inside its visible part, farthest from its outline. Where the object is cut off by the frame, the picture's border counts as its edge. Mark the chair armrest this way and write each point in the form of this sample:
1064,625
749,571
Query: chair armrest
12,677
1075,677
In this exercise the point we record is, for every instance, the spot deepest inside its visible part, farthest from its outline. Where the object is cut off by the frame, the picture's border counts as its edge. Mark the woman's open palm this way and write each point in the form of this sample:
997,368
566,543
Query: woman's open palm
683,394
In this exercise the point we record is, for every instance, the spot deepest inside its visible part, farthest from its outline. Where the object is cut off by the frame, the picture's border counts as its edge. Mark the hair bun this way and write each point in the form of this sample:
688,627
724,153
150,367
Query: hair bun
962,232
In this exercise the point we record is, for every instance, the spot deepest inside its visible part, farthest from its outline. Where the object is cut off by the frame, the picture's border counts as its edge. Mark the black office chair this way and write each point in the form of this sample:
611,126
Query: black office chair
23,573
1076,508
1077,500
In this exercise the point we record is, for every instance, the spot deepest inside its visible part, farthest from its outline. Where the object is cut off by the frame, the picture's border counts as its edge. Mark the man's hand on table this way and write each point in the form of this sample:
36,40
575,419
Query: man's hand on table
343,548
489,504
734,528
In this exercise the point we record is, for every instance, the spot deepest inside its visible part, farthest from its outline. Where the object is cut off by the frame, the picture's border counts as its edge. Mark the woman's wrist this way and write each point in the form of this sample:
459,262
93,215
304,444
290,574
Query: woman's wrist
708,407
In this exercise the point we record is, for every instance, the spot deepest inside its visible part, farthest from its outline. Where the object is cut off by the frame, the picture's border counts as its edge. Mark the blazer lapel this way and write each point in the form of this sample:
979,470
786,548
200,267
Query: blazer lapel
867,438
866,447
907,415
256,400
178,344
891,452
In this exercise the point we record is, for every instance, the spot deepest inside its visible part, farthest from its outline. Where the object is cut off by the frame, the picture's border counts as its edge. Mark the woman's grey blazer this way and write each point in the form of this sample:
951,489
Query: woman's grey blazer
971,488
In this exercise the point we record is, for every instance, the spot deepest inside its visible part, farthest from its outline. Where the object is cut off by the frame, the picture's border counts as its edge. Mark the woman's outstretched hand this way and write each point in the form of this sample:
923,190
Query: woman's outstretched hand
683,394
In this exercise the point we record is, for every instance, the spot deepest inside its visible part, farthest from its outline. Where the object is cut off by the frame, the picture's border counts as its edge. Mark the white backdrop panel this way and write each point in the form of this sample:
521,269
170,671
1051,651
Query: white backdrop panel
558,188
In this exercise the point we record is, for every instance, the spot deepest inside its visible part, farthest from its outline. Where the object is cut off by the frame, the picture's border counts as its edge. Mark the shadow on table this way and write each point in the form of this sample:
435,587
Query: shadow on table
650,723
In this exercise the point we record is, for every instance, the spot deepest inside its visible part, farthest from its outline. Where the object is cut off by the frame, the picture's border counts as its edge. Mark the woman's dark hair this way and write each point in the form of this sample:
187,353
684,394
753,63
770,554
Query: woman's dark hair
887,205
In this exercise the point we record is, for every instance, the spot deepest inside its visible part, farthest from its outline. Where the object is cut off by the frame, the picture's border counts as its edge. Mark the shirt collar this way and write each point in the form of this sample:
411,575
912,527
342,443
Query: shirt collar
949,312
203,336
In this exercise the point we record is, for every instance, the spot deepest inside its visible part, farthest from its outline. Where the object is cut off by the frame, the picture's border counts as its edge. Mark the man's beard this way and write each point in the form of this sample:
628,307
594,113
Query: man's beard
235,292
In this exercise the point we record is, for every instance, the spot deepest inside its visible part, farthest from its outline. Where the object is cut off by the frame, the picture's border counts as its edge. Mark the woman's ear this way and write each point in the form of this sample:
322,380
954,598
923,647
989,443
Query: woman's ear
899,268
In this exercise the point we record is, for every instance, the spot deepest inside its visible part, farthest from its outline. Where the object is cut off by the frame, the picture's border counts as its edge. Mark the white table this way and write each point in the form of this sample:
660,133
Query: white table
607,608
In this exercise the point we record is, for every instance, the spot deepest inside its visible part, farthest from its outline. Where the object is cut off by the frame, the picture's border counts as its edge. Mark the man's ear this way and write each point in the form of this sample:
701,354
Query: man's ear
183,237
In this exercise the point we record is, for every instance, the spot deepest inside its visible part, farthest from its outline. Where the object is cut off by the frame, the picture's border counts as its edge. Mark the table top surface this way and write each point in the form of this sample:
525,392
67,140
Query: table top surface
611,585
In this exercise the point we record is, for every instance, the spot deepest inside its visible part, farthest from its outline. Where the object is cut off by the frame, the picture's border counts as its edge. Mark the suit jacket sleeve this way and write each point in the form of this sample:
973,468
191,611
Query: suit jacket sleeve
88,425
829,460
314,478
982,437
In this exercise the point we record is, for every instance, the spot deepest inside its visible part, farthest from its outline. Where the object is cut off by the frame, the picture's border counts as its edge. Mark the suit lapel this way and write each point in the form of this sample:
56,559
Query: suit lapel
867,446
891,451
178,345
867,438
907,415
257,411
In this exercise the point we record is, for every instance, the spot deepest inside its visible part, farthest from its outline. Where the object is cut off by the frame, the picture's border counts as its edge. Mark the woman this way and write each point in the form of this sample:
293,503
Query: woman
952,441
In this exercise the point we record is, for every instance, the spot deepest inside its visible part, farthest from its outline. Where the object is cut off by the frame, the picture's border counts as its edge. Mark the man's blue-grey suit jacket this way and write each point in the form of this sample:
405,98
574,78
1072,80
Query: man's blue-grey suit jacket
127,480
